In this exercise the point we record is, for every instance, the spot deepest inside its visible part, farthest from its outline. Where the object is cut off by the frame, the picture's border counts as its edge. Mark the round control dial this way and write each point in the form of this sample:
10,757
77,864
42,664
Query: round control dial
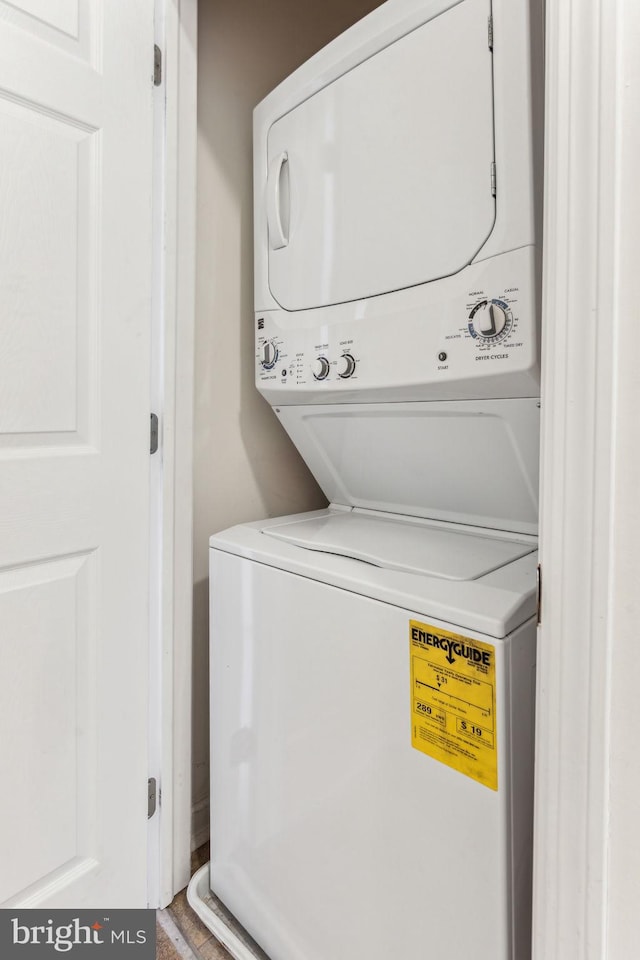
269,355
490,320
346,366
320,368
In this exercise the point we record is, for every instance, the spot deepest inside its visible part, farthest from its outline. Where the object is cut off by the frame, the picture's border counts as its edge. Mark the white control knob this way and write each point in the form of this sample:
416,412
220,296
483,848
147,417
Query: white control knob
489,320
269,355
320,368
346,365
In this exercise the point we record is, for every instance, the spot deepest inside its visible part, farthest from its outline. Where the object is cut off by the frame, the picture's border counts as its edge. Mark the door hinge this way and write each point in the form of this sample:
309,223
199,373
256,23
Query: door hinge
157,65
538,593
490,32
153,434
493,180
152,797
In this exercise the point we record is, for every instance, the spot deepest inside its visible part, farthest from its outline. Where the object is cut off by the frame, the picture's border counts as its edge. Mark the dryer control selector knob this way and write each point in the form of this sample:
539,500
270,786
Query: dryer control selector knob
320,368
269,355
346,366
489,320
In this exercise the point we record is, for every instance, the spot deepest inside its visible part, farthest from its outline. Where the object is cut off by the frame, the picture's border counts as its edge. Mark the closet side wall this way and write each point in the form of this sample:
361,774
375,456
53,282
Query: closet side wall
245,467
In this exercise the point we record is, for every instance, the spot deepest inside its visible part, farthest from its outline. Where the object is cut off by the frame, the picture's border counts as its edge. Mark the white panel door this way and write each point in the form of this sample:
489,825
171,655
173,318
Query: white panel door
75,278
382,180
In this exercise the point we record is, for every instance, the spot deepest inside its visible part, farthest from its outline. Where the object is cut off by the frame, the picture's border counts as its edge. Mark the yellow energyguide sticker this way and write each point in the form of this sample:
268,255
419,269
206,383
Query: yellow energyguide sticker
453,701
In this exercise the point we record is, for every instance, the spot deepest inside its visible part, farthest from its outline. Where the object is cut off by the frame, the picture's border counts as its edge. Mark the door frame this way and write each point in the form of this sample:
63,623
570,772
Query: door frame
586,883
172,486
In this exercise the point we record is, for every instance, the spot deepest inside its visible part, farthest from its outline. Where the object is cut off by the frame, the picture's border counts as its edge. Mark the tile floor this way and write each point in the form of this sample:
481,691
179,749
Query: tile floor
181,934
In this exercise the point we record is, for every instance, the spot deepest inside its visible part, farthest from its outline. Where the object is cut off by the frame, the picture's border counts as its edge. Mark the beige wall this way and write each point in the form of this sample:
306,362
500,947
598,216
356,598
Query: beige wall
245,466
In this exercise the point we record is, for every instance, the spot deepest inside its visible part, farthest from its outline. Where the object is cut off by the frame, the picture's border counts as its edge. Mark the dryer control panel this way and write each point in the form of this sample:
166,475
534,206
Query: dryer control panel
427,342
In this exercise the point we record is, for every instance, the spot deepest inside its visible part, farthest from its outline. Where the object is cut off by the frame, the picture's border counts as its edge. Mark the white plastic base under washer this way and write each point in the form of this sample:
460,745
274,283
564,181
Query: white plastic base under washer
223,925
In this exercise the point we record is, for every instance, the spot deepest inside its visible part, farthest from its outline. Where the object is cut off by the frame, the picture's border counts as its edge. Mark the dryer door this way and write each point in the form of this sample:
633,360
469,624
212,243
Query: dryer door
382,180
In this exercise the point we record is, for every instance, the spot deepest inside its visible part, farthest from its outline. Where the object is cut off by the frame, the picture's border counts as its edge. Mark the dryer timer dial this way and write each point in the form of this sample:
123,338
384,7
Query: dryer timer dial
490,321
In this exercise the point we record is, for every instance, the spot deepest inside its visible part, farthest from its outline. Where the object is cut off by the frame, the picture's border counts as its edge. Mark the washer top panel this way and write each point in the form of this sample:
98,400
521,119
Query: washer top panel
493,604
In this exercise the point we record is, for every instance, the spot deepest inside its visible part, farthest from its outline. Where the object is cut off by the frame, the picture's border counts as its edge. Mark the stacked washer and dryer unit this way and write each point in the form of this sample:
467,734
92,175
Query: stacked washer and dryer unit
373,664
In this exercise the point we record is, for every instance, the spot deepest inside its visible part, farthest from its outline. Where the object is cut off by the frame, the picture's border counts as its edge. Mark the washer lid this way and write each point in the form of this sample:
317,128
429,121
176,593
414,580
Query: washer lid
494,605
406,545
382,179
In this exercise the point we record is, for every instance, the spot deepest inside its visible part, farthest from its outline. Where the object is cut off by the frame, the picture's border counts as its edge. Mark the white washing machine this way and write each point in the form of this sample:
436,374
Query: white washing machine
372,737
373,664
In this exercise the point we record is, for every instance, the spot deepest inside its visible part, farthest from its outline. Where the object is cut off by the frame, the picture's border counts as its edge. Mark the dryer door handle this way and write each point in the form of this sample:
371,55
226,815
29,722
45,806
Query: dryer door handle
278,201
